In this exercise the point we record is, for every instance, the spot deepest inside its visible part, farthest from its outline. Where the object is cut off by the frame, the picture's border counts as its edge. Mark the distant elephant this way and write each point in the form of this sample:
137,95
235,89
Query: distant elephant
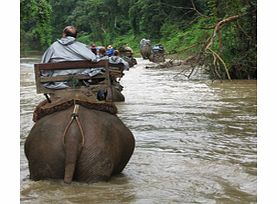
145,48
126,53
157,54
83,145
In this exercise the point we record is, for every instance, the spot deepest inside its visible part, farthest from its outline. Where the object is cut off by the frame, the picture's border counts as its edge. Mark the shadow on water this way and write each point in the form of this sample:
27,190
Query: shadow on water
195,142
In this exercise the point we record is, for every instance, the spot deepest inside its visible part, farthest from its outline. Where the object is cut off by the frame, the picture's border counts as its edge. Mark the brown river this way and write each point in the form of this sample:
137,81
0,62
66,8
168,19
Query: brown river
196,142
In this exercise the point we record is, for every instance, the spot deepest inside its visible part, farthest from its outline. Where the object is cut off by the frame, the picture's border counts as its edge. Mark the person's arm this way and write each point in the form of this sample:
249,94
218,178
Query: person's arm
46,57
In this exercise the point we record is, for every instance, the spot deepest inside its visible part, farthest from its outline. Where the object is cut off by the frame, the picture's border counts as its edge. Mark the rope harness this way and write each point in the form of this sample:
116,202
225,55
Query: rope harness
75,116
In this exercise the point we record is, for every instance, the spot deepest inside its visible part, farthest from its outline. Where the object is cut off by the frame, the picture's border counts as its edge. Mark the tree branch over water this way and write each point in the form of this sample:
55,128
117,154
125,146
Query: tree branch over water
207,48
218,26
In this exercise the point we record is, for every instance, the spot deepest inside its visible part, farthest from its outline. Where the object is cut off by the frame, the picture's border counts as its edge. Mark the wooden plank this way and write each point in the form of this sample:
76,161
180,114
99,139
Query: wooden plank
116,71
72,65
37,78
119,65
68,77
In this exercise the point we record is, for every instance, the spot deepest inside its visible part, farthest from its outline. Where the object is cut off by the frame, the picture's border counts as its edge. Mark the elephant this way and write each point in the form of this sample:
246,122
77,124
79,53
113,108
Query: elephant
131,60
157,54
145,48
126,53
78,143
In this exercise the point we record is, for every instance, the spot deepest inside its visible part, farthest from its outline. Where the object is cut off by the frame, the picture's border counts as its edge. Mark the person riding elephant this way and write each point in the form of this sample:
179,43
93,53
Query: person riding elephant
126,53
116,59
157,53
67,49
110,50
78,144
145,48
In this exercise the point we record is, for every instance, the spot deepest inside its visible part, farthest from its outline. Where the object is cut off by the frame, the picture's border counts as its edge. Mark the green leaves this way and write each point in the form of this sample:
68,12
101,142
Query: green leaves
182,26
35,28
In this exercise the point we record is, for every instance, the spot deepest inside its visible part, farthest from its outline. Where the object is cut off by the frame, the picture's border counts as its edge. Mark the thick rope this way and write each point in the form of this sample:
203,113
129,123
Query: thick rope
75,116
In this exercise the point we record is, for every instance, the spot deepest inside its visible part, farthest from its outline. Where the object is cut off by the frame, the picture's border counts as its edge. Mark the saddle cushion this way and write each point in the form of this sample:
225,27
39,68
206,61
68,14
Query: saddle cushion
44,108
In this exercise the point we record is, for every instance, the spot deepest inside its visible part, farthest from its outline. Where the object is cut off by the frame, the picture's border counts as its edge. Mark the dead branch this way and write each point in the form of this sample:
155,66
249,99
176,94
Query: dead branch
220,40
221,60
218,27
194,8
244,32
198,58
216,66
210,41
193,68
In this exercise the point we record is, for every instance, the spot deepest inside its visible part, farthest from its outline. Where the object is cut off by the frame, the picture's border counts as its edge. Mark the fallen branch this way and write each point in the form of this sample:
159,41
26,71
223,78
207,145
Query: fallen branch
216,56
199,58
195,57
218,27
215,66
194,8
222,61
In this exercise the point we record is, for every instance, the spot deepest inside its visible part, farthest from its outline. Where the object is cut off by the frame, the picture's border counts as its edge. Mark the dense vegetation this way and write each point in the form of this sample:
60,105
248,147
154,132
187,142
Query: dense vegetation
221,34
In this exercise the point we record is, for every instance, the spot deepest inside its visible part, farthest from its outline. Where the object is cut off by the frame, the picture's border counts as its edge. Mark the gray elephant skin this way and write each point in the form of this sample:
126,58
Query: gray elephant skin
91,149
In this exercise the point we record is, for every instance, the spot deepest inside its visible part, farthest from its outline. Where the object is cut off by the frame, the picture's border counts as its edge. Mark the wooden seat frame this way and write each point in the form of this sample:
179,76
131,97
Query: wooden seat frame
112,71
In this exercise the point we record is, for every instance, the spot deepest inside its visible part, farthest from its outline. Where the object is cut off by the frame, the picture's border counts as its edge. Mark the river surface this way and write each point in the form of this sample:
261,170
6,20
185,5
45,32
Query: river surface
196,142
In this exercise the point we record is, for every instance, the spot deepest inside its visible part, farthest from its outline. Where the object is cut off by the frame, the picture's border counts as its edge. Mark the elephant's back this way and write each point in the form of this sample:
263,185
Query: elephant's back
103,127
108,142
108,145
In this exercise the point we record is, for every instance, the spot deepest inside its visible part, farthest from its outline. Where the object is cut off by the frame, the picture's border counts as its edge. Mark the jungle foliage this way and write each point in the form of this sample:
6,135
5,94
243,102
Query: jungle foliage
221,34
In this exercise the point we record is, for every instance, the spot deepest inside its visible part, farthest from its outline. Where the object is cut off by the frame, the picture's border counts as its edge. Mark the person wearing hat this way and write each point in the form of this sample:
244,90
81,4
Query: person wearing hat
93,48
110,50
116,59
101,53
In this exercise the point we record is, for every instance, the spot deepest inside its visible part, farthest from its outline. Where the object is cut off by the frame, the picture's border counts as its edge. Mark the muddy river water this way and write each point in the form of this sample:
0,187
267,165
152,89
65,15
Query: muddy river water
196,142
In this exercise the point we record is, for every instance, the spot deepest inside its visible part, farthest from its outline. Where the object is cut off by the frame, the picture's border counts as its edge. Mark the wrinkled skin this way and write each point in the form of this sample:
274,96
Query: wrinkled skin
108,146
145,48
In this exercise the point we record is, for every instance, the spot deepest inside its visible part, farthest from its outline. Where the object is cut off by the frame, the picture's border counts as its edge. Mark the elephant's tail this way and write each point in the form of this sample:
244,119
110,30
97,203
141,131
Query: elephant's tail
73,140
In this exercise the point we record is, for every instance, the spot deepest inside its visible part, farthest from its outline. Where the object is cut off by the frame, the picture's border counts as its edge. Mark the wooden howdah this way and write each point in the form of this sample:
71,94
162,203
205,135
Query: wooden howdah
85,92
